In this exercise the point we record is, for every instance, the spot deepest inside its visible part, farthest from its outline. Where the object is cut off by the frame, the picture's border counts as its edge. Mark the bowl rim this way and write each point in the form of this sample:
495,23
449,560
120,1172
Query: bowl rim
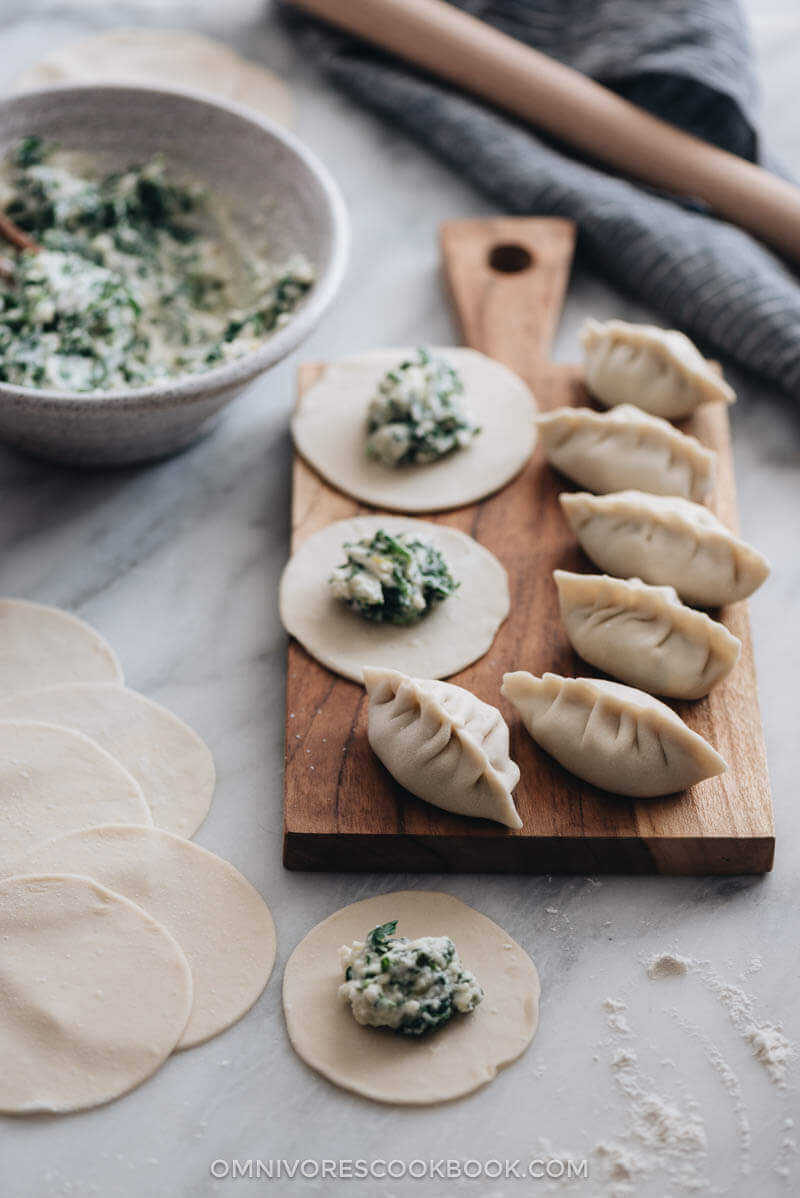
238,372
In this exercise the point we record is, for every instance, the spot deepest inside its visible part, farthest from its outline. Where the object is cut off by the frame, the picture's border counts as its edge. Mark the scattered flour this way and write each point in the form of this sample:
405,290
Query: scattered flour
623,1058
731,1084
772,1049
665,965
789,1148
664,1139
770,1046
660,1137
620,1166
662,1126
616,1020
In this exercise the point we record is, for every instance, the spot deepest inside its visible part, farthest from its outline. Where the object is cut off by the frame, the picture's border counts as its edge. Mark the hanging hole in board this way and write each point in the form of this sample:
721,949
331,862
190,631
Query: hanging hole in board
510,258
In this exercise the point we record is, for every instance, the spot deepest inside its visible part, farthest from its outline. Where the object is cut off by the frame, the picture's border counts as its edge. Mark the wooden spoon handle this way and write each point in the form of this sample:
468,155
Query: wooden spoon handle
16,236
568,105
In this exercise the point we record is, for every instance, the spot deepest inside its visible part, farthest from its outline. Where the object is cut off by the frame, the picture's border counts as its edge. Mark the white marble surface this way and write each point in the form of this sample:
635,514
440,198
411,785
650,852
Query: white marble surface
178,565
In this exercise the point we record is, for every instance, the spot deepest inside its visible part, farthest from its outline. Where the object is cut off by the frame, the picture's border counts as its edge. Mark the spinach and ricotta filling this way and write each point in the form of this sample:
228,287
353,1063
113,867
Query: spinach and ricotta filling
139,277
392,579
418,414
411,986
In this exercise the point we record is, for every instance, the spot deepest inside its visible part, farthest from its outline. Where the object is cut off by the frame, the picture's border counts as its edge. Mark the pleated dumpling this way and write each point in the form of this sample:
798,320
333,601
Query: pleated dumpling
625,449
443,744
666,541
619,739
659,370
644,635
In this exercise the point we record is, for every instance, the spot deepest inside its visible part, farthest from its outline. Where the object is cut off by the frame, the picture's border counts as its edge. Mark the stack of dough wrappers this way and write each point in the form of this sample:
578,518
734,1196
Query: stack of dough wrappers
123,940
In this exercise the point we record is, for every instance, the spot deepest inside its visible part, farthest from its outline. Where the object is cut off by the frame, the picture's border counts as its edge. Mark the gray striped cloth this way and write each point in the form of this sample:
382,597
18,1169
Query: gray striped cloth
687,61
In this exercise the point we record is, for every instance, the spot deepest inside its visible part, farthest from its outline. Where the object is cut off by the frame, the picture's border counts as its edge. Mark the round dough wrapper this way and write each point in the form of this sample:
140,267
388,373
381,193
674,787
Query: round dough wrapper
380,1064
94,994
221,922
329,431
53,780
167,758
43,646
170,57
453,634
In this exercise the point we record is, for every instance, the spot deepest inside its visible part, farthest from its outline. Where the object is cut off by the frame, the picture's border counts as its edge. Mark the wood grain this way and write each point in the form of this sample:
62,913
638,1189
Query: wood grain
342,809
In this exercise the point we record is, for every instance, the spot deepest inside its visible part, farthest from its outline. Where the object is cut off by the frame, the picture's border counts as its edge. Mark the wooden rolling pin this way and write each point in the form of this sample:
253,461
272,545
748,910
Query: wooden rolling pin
562,102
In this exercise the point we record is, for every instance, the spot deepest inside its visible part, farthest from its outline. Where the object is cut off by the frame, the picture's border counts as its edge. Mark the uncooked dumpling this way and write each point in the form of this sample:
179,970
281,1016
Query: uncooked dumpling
644,635
666,541
455,633
623,449
443,744
659,370
94,994
220,921
166,757
44,646
53,780
380,1064
329,430
166,57
618,738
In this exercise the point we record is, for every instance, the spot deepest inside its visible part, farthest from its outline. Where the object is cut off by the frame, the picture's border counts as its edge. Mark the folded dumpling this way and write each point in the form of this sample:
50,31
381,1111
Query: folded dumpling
644,635
659,370
625,449
667,541
613,736
443,744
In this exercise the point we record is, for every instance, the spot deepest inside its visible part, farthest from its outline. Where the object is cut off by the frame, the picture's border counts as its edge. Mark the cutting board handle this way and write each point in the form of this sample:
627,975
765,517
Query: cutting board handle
507,277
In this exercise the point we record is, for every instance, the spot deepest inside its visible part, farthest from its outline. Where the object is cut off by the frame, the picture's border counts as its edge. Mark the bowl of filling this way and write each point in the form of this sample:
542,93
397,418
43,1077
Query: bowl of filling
158,252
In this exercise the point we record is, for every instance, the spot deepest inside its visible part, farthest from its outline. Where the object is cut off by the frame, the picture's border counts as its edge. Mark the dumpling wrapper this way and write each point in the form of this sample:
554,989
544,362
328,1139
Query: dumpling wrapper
616,737
644,635
220,921
453,634
623,449
329,429
94,994
169,57
443,744
659,370
54,780
377,1063
167,758
44,646
666,541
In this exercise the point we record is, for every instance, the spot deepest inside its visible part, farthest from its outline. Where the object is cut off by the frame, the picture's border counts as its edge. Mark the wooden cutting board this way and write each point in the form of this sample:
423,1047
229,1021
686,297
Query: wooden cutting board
343,811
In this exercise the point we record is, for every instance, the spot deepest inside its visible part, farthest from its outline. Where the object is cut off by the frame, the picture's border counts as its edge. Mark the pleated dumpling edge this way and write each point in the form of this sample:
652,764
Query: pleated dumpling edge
644,635
659,370
442,744
667,541
618,738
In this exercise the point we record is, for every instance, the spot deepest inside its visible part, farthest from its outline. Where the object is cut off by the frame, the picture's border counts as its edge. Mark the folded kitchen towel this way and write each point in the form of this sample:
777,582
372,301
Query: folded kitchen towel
688,62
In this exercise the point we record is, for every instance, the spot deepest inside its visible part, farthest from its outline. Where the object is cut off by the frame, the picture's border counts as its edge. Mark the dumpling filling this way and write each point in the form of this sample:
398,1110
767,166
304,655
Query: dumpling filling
418,414
410,986
140,278
393,580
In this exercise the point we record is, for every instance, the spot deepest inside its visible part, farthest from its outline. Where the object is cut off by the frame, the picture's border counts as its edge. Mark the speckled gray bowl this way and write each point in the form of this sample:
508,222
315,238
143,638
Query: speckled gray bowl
267,180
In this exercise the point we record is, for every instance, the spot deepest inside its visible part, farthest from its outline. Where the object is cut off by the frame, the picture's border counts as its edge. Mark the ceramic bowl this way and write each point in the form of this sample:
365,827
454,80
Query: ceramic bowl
269,183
